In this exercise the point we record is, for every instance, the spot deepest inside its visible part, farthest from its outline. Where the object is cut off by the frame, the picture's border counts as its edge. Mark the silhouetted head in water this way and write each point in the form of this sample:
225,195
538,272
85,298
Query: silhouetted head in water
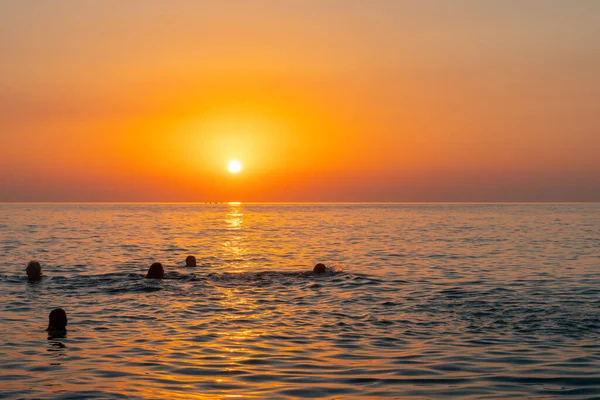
34,271
156,271
190,261
57,321
320,268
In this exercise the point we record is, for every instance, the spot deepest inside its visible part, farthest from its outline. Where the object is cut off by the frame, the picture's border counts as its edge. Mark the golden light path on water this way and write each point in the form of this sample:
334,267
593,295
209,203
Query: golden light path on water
234,246
455,301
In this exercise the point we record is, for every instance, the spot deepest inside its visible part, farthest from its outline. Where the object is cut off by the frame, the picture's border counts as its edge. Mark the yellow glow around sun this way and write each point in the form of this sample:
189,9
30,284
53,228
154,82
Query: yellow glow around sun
234,166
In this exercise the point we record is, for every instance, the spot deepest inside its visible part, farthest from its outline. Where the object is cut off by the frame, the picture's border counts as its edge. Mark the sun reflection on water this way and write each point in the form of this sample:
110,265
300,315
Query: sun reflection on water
235,247
235,215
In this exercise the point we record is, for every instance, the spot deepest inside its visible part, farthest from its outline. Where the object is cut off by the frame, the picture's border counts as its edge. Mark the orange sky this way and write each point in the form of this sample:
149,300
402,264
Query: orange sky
319,100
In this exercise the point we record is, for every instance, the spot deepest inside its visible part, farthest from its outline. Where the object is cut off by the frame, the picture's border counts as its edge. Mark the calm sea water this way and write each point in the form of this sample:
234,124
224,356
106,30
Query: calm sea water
433,301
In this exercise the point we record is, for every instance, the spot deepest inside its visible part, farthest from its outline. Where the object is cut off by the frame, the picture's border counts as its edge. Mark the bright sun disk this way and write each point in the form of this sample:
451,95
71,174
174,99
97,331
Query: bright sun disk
234,166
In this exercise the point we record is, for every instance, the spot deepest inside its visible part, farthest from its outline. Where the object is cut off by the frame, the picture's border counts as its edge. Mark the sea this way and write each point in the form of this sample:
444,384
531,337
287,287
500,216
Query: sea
473,301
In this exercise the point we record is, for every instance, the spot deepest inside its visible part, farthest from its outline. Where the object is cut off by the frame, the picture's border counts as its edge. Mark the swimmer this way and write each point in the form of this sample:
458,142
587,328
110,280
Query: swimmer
320,268
57,326
34,271
190,261
156,271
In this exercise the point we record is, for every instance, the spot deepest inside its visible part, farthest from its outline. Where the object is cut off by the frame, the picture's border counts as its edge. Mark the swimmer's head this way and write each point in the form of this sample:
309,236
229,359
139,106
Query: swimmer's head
320,268
190,261
156,271
57,320
34,271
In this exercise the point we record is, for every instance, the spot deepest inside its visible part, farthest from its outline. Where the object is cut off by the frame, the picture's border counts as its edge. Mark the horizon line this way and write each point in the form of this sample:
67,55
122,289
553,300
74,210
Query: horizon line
299,202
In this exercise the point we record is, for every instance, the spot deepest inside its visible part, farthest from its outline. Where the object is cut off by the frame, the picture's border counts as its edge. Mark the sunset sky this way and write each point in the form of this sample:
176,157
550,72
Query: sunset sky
320,100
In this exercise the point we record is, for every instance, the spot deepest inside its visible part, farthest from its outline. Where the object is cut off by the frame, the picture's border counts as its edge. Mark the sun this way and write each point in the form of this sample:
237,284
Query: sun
234,166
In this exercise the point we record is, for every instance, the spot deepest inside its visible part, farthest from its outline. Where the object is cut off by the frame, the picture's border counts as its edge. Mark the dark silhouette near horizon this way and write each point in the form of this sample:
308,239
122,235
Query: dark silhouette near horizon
190,261
320,268
156,271
34,271
57,324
